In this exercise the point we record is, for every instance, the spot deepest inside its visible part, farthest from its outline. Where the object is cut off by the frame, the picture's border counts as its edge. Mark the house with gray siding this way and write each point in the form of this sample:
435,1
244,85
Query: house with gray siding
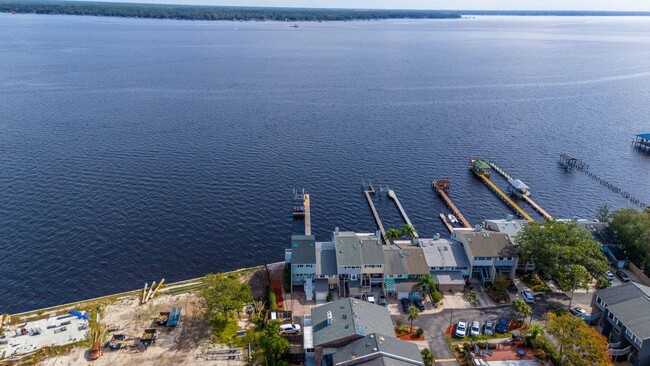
447,262
625,320
488,253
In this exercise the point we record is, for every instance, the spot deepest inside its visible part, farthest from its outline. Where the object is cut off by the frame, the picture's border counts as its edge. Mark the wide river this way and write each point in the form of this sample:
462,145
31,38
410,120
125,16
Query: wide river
132,149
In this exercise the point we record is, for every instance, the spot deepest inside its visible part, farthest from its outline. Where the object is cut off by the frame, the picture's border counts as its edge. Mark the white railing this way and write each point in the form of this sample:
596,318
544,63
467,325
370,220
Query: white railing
621,352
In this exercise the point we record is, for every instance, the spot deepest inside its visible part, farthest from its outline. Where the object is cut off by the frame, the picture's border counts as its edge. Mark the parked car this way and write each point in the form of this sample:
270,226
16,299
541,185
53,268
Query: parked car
623,276
461,328
528,297
513,288
289,329
609,275
502,327
95,351
488,329
418,304
406,305
382,301
371,299
579,312
475,330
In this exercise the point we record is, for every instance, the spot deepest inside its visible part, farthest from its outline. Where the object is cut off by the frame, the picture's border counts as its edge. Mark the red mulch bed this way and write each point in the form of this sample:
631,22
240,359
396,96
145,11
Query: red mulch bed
409,336
277,288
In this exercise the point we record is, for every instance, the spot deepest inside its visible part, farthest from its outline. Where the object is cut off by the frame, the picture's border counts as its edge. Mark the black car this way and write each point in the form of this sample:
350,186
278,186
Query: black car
418,304
406,305
512,288
623,276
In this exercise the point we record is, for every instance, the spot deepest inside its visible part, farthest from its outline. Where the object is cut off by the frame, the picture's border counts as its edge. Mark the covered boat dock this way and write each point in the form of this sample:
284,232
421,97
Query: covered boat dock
642,142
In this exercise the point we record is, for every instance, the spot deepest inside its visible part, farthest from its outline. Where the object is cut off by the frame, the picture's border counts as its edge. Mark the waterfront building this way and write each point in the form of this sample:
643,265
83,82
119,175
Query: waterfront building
488,253
447,261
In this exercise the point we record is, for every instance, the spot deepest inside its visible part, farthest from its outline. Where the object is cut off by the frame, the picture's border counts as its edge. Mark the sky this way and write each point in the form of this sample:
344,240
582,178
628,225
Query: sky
602,5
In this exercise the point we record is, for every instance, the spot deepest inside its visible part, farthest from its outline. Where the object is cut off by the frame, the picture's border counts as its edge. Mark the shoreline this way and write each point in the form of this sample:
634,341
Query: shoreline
185,286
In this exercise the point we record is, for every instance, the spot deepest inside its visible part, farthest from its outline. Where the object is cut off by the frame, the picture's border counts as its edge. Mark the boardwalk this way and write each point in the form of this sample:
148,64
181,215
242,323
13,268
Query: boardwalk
392,195
367,192
441,185
307,214
444,221
530,201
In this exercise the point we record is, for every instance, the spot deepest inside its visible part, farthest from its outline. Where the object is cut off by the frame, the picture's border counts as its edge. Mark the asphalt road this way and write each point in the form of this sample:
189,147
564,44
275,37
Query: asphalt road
436,324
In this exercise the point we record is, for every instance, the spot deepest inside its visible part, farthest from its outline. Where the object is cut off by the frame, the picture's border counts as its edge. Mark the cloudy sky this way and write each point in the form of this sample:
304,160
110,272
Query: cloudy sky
616,5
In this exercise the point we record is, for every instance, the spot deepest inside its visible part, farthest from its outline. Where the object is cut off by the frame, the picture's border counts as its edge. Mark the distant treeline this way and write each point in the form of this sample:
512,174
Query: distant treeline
197,12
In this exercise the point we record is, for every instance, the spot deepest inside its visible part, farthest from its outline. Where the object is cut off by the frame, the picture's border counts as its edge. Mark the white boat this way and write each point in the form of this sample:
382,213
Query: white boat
452,219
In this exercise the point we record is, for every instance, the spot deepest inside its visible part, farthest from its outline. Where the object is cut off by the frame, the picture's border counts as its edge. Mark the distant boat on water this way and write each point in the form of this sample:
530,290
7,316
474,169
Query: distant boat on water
294,26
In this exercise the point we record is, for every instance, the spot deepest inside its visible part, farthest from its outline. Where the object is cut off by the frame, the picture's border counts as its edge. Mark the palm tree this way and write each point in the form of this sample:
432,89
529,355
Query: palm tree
408,230
393,234
414,313
535,330
427,283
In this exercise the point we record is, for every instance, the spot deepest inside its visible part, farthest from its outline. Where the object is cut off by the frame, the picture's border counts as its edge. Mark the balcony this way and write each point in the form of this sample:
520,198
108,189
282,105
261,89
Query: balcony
620,351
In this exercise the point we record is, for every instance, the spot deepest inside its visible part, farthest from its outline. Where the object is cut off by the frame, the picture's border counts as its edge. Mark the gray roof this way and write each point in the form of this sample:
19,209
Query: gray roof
507,226
444,253
350,317
302,249
378,349
630,303
394,263
416,262
355,250
325,259
407,286
321,285
486,243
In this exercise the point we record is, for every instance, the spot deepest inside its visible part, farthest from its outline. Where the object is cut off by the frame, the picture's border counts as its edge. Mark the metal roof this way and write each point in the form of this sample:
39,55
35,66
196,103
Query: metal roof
350,317
449,278
644,136
325,259
567,156
481,164
302,249
518,184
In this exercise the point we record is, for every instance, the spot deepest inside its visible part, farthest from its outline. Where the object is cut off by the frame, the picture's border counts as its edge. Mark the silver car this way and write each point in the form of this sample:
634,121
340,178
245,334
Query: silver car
489,328
475,330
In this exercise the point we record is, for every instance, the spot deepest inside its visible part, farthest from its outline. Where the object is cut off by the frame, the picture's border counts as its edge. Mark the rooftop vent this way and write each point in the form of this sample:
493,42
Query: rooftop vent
329,318
372,336
374,349
509,217
436,236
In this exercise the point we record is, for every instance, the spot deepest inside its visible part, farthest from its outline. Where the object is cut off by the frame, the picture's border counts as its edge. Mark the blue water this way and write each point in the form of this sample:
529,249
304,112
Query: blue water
132,150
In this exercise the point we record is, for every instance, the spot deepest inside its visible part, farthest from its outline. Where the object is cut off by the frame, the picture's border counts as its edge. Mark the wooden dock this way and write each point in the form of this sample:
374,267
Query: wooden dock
441,186
526,198
307,214
444,221
405,217
504,196
367,192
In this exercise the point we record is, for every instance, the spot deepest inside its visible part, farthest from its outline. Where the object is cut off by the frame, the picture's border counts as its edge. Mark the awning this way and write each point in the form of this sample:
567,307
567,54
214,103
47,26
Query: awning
389,285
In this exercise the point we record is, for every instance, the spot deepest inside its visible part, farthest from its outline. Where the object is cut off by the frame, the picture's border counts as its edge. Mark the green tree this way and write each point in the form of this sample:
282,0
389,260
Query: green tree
521,308
579,344
428,357
427,283
274,346
535,330
223,297
603,214
414,314
560,247
436,296
408,230
632,228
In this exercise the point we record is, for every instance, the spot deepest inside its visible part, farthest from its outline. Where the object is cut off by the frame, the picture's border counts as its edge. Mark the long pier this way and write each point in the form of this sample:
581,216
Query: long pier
392,195
504,196
441,186
526,197
307,214
367,192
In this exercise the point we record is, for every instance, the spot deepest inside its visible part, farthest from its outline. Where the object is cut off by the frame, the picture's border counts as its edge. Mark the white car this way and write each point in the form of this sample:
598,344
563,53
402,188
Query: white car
475,330
528,297
289,329
461,328
371,299
609,275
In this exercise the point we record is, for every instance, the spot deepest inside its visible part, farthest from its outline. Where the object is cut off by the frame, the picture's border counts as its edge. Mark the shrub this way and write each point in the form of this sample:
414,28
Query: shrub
436,296
419,332
329,297
403,329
